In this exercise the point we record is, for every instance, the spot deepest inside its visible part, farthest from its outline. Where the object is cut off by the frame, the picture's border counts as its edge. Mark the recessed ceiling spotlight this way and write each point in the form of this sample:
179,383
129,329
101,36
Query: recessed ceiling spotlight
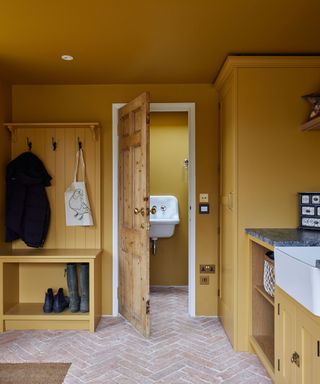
67,57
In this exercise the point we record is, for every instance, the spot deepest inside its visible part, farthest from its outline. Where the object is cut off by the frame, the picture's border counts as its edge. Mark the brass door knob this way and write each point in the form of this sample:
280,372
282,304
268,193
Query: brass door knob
137,211
152,210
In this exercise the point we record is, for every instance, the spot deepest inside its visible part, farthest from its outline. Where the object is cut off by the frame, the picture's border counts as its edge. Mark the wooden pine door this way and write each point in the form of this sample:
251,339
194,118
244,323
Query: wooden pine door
133,131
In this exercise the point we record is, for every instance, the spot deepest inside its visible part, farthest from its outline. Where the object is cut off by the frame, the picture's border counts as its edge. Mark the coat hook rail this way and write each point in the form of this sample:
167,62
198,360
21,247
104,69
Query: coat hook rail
29,144
54,144
79,143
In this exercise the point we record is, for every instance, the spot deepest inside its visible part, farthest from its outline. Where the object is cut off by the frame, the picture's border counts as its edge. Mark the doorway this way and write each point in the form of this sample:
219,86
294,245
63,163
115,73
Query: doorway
169,190
189,108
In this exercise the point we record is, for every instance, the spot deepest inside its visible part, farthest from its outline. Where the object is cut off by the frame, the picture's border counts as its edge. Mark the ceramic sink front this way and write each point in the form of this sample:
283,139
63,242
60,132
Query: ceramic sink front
166,216
297,272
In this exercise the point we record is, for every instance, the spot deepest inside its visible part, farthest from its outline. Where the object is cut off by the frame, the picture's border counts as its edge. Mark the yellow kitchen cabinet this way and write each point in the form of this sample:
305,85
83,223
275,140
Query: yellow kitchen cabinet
228,212
297,342
308,345
261,111
285,326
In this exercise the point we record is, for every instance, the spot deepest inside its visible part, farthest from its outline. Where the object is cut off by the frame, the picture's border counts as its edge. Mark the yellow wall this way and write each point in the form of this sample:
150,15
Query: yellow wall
5,115
94,103
168,149
276,159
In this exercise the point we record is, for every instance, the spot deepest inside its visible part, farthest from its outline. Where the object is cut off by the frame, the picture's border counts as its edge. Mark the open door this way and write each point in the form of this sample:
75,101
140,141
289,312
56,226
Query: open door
134,193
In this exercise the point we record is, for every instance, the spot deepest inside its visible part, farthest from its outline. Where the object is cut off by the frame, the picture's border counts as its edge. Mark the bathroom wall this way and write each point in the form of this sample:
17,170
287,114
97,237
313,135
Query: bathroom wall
5,115
168,149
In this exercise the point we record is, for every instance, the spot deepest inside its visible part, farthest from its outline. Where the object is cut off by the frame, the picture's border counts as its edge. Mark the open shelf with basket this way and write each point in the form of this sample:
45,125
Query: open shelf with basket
262,302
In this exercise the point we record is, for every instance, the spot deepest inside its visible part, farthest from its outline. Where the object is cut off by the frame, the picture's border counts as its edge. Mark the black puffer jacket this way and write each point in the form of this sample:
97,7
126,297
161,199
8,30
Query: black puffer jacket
27,205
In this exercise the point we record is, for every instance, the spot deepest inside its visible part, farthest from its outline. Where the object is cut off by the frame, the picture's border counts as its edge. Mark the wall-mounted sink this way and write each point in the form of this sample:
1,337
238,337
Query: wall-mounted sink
297,271
166,217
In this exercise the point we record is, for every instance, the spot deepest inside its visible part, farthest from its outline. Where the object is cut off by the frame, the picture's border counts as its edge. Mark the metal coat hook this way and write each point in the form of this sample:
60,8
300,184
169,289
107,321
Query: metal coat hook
29,144
54,144
79,144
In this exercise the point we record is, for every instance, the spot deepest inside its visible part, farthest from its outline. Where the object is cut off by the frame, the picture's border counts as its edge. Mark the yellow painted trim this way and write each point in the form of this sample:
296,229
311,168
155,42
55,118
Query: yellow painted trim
233,62
260,242
265,361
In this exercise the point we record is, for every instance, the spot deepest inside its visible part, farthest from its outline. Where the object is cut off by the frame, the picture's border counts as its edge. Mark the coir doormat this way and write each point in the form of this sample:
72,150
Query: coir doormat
33,373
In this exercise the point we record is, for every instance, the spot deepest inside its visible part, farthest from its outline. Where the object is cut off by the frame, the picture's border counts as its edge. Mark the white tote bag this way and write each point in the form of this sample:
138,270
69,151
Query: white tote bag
78,212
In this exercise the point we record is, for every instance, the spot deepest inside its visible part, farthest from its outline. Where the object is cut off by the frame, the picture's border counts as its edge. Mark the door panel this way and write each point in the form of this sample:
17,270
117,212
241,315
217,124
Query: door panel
134,194
285,339
227,215
308,337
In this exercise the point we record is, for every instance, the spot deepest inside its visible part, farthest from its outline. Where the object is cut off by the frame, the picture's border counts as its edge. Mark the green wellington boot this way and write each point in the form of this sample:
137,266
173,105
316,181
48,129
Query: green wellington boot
72,281
84,287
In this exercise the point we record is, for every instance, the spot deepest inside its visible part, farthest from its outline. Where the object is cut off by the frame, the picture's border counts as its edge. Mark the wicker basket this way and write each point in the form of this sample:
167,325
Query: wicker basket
268,276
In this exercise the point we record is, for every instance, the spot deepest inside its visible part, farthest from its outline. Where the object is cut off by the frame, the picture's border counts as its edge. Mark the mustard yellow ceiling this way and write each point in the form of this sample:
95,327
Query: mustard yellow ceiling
146,41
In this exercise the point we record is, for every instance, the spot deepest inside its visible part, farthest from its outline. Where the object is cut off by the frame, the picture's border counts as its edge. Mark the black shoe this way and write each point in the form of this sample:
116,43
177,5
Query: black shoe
48,301
60,302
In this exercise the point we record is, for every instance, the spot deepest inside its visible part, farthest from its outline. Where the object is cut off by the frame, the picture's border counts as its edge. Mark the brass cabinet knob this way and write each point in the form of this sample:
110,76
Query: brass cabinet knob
295,358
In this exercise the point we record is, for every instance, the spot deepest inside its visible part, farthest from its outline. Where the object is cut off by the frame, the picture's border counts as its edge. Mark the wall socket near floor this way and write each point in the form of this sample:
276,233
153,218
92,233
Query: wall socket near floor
204,198
204,280
207,268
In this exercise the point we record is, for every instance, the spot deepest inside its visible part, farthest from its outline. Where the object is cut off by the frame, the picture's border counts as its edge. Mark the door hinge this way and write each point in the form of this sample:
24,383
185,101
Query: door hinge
279,365
318,348
278,308
218,292
218,230
147,307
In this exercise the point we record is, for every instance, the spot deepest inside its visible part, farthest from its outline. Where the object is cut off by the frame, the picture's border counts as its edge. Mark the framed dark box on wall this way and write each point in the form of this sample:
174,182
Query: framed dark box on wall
309,210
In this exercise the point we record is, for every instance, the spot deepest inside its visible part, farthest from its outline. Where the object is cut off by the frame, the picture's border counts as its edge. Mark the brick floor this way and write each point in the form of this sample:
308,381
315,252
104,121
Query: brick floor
180,350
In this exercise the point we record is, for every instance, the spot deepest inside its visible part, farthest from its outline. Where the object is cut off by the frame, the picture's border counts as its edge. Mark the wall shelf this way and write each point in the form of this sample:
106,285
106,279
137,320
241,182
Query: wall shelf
311,125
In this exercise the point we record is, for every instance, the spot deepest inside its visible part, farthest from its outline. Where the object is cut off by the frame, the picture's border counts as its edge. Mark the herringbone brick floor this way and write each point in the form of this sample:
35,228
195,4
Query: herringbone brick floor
180,349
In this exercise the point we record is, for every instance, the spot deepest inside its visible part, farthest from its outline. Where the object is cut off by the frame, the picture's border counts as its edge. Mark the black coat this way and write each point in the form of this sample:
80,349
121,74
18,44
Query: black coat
27,205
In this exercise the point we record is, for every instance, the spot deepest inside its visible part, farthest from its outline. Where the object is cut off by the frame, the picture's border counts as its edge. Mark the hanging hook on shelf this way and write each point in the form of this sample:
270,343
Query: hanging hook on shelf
79,144
29,144
54,143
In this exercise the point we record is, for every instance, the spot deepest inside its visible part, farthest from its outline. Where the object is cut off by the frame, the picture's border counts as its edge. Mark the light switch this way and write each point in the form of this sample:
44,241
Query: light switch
204,198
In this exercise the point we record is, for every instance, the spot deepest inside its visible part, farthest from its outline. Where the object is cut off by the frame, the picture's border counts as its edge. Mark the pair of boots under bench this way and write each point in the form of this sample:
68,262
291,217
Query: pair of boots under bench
78,302
56,303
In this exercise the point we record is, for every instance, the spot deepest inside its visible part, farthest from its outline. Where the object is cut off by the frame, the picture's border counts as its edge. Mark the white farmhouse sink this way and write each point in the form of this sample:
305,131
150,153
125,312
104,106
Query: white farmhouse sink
297,272
163,222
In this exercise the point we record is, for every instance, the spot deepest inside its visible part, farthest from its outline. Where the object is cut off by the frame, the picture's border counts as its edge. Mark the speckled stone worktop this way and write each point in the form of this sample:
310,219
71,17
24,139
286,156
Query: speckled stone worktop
285,237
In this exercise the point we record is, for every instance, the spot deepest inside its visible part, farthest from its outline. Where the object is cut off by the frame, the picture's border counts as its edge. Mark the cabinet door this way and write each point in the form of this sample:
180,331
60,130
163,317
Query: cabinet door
285,338
227,216
308,348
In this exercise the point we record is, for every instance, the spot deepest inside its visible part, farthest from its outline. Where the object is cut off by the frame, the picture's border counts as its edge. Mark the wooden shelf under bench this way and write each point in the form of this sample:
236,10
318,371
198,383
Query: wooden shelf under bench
17,313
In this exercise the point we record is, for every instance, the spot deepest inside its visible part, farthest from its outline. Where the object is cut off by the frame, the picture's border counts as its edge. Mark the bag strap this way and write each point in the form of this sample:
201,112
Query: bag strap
79,158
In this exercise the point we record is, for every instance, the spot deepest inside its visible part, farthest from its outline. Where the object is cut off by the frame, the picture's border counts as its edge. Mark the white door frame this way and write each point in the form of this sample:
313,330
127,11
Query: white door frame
158,107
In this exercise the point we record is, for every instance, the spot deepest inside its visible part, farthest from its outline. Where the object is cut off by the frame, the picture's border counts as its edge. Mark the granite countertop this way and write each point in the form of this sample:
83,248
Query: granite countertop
286,237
